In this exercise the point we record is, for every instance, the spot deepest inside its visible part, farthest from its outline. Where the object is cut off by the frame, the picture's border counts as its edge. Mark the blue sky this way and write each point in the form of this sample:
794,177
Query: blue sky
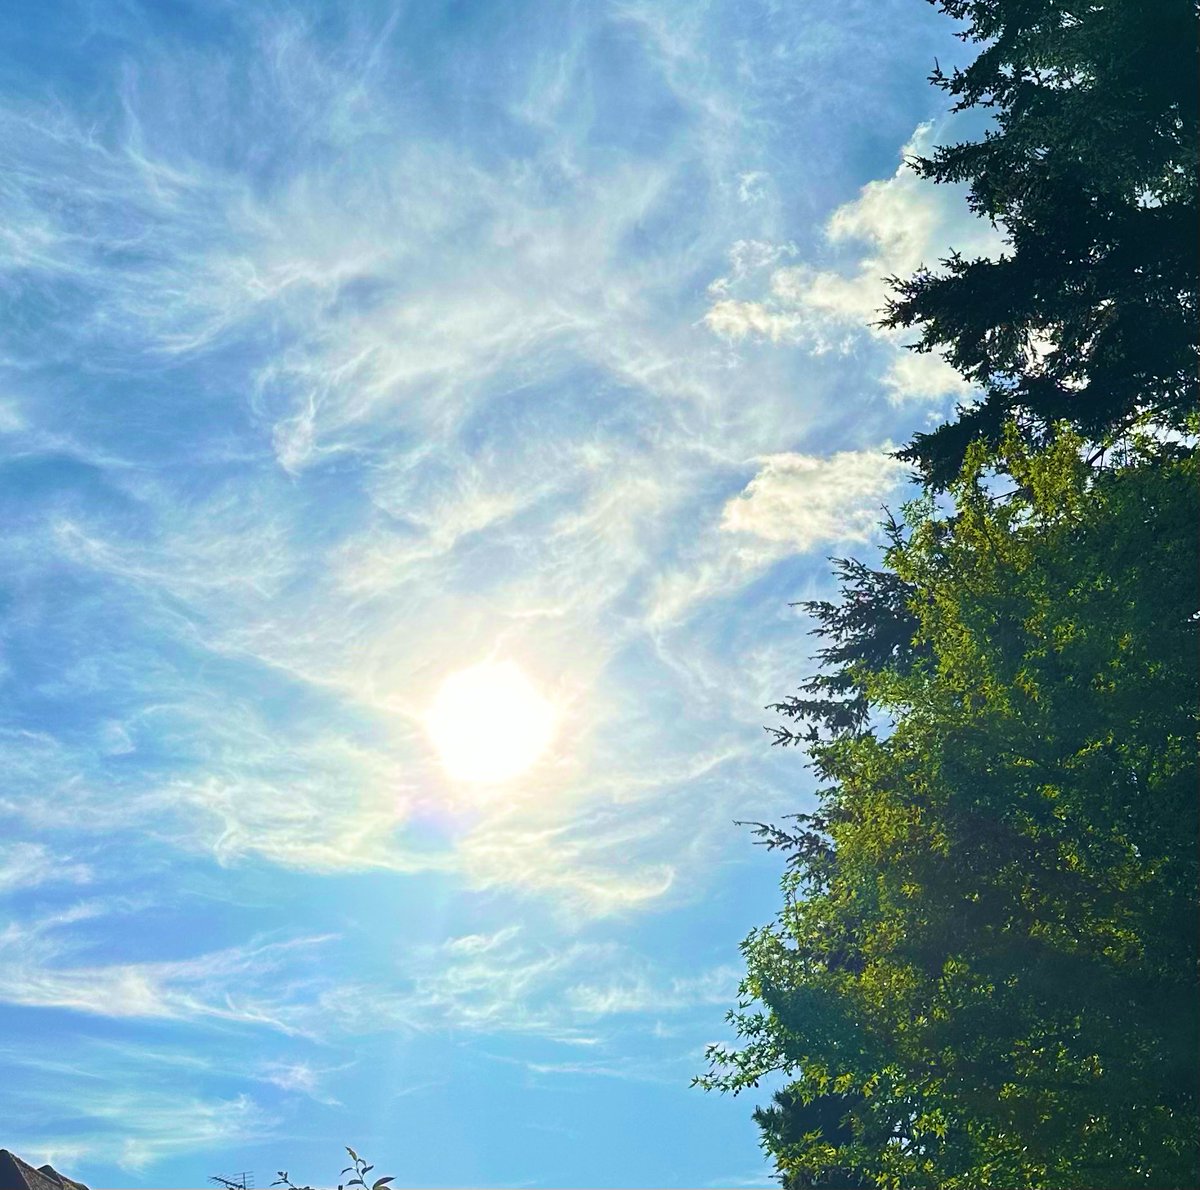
350,347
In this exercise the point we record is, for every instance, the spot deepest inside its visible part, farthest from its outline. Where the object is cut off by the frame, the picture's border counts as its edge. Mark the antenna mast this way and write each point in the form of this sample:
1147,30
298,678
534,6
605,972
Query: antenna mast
241,1181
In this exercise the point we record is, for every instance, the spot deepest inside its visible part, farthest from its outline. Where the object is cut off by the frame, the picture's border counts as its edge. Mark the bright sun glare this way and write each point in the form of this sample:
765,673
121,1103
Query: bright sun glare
489,723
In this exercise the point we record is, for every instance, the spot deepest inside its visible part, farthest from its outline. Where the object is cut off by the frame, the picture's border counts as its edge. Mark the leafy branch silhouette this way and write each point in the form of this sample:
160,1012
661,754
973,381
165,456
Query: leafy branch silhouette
358,1167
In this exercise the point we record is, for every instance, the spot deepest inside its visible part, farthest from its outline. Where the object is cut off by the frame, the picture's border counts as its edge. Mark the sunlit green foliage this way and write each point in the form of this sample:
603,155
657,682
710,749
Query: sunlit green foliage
985,973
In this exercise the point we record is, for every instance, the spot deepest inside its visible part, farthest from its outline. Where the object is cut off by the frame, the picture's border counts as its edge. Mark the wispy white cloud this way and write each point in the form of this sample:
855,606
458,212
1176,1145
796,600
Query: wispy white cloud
27,865
301,1078
645,995
124,1104
134,1129
507,982
236,984
894,226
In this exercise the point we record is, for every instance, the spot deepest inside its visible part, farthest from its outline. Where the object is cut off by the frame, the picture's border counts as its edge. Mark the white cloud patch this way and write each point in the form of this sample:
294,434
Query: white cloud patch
233,985
644,995
802,502
28,865
795,504
737,320
299,1078
133,1128
922,377
892,228
506,982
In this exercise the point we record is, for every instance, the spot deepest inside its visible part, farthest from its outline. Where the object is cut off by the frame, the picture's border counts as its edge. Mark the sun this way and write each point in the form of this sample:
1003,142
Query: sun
489,723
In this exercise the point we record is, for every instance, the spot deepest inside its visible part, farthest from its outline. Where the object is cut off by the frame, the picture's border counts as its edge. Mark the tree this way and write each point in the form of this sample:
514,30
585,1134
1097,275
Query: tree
986,969
1089,167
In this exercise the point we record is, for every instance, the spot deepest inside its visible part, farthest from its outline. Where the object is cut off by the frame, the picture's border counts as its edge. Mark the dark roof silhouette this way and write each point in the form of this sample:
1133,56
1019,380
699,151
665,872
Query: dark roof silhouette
16,1174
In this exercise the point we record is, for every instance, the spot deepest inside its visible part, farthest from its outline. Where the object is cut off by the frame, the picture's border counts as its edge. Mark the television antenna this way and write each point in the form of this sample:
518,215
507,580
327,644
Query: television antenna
241,1181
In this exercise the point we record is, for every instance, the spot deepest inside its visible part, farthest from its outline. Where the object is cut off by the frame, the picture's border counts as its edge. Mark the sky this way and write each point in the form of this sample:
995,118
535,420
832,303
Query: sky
417,421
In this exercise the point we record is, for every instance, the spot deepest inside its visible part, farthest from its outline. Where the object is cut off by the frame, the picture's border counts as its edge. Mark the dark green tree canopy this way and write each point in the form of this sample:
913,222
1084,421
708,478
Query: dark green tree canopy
1090,169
